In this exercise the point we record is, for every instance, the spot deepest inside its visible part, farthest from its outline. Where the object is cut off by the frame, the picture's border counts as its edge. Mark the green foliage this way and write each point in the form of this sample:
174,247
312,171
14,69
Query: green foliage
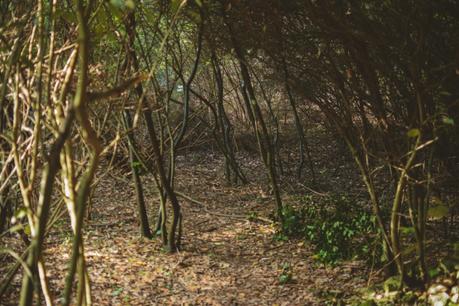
447,120
286,275
294,221
438,209
136,165
139,167
392,284
252,216
122,4
335,227
413,133
117,291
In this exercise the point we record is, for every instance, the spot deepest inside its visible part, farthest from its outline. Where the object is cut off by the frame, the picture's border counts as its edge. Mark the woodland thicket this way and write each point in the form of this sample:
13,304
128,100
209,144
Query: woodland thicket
86,85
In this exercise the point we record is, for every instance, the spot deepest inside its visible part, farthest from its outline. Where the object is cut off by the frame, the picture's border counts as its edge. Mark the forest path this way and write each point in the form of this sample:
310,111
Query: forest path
226,258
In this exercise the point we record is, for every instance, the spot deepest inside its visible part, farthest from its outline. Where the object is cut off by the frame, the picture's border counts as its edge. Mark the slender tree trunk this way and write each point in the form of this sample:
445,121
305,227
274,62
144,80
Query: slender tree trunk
147,114
264,142
303,144
135,168
225,126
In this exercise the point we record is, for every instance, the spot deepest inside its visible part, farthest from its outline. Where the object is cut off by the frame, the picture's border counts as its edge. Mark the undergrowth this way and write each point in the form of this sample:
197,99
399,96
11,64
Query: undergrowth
337,227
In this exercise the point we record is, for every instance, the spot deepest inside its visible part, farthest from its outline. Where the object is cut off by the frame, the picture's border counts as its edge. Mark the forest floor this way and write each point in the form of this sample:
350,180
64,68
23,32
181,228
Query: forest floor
228,256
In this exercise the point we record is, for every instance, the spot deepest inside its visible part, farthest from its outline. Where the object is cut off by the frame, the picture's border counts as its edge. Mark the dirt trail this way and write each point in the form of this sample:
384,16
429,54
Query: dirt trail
227,257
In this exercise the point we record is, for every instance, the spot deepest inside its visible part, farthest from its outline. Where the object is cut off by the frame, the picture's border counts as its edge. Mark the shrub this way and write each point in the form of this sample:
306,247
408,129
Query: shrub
336,226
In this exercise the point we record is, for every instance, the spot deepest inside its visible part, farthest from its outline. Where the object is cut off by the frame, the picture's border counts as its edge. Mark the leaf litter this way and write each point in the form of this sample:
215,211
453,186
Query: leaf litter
227,258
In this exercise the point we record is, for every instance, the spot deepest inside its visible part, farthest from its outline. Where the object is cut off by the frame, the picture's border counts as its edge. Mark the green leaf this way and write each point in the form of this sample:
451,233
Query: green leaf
115,9
285,278
27,230
117,3
118,6
199,3
434,272
407,230
136,165
438,211
20,213
117,291
448,120
392,284
129,4
413,133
